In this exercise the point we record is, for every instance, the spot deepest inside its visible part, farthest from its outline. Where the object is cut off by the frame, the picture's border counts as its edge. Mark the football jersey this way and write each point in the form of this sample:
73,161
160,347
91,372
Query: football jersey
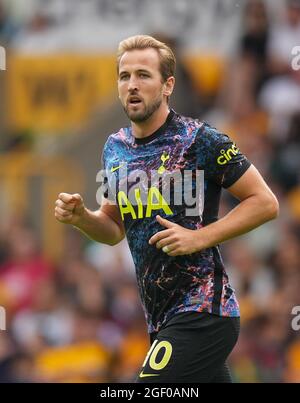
177,172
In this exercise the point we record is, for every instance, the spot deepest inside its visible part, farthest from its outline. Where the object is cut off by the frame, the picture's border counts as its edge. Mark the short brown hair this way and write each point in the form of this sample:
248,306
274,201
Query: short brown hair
166,55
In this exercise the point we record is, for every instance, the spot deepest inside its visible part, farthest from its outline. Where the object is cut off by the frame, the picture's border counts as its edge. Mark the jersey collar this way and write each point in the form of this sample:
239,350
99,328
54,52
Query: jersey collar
157,132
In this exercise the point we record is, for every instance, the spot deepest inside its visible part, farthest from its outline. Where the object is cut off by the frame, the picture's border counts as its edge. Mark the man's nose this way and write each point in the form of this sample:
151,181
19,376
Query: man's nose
132,85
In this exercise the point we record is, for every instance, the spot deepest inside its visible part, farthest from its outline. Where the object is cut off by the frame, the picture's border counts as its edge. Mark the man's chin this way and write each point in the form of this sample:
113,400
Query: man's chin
136,117
141,113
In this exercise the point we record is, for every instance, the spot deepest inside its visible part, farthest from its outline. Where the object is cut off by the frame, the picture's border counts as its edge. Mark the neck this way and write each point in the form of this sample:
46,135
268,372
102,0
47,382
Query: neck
144,129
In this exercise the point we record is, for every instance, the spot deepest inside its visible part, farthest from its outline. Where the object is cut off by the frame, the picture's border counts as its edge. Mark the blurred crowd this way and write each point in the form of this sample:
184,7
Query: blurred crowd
81,320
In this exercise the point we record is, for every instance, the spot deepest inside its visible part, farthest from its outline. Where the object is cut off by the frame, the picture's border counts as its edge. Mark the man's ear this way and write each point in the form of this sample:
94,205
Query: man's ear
169,86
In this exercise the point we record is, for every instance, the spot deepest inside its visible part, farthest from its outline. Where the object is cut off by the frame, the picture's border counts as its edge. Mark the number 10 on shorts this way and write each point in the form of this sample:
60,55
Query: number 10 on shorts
154,352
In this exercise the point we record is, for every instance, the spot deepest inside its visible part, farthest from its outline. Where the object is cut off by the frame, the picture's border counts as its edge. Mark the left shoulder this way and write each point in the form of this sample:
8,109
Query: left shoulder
212,136
191,125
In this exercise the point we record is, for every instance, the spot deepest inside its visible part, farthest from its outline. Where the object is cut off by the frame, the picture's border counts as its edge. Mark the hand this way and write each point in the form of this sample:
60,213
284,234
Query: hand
69,208
175,240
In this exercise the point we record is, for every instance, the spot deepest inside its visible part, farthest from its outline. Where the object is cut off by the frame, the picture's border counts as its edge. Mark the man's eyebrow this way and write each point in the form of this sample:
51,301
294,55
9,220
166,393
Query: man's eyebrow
143,71
139,71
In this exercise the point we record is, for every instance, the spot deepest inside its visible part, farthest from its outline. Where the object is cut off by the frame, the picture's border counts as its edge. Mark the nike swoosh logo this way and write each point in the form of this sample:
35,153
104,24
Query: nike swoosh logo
113,169
142,375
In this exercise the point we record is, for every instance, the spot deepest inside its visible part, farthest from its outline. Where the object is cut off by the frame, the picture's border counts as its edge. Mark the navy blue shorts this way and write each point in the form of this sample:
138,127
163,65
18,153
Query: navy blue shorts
192,347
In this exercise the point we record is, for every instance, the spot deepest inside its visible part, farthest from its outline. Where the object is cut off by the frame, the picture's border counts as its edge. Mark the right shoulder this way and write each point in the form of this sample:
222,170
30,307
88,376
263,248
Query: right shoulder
120,135
116,138
115,142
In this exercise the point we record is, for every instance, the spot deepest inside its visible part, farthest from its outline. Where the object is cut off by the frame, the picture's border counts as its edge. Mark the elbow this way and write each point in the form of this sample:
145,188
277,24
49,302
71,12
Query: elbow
116,240
272,207
113,242
110,242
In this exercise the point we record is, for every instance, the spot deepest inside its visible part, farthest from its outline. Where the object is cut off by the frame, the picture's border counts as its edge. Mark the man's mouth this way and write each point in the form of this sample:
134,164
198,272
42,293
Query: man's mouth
134,100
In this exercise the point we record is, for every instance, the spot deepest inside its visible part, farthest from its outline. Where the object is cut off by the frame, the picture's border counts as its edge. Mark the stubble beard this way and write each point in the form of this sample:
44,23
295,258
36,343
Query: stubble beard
145,114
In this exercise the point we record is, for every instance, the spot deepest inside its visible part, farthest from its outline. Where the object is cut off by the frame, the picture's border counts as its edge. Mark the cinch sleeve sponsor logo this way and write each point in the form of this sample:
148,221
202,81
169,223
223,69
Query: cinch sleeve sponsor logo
226,156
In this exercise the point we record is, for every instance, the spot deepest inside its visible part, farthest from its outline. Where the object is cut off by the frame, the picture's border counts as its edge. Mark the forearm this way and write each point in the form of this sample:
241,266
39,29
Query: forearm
249,214
100,227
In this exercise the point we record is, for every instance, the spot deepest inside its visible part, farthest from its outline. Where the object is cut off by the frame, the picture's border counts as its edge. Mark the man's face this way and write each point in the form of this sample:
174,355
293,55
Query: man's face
140,83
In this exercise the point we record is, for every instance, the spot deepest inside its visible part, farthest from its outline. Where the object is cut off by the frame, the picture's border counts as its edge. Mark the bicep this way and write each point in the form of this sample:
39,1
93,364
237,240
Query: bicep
251,183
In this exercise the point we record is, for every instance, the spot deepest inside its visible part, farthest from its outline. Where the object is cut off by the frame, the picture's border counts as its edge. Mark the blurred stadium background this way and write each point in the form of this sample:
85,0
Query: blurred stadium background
72,309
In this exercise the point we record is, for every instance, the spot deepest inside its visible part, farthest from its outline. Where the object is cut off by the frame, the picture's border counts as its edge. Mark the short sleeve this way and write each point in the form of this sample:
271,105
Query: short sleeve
219,157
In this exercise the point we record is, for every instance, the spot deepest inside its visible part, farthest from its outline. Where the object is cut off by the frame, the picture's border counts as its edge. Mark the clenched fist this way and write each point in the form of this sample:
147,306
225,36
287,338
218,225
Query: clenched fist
69,208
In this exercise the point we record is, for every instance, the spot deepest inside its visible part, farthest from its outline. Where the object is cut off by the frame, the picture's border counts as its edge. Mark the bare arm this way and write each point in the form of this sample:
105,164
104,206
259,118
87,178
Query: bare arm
104,225
258,205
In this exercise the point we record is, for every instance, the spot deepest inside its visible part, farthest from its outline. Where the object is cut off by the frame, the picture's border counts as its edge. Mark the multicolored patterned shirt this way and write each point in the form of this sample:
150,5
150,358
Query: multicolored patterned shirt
178,151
